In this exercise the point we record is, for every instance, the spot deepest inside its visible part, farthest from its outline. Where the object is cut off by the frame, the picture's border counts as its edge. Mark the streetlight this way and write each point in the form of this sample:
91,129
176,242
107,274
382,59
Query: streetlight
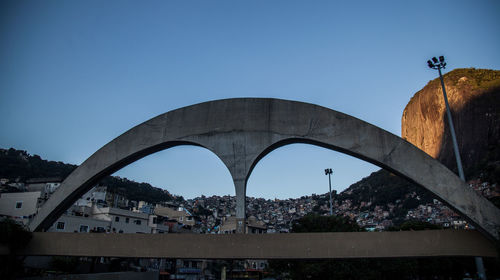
435,64
438,64
329,172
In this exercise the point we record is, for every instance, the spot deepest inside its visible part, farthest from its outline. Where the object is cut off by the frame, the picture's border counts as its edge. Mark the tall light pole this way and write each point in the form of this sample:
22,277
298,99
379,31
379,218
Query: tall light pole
438,64
435,64
329,172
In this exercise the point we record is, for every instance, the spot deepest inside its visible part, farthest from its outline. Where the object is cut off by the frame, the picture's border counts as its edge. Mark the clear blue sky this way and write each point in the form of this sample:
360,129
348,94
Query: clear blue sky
76,74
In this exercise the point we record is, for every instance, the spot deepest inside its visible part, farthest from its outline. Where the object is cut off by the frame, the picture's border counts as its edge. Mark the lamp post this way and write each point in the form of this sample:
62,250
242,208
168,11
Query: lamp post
434,63
329,172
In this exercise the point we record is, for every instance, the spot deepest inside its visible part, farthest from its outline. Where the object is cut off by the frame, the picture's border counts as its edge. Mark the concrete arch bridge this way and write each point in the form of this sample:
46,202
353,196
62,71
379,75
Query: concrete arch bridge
242,131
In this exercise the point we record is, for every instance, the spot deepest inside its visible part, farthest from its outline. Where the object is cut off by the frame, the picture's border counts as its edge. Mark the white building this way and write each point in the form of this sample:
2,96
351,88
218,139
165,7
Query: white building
123,221
108,219
157,227
46,186
20,206
95,195
68,223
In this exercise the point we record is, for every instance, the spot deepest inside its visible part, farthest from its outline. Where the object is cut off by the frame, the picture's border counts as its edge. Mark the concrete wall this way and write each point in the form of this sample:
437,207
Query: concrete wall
328,245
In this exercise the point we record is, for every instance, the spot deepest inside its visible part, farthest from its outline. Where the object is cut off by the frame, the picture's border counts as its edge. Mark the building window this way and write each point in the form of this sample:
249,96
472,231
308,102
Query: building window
19,204
60,225
138,222
117,219
84,228
127,220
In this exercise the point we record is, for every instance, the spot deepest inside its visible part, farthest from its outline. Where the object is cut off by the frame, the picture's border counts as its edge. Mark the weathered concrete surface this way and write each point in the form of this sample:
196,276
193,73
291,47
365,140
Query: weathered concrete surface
329,245
241,131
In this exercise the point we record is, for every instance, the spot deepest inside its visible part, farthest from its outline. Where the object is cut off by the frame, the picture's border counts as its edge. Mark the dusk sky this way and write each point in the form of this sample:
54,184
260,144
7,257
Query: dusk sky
76,74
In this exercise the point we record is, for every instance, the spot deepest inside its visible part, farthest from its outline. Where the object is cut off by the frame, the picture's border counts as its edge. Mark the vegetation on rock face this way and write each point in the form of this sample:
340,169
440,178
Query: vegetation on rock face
484,79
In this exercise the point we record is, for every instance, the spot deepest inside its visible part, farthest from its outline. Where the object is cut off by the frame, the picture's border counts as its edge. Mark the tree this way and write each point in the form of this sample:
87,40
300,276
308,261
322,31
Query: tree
202,211
313,222
13,236
414,225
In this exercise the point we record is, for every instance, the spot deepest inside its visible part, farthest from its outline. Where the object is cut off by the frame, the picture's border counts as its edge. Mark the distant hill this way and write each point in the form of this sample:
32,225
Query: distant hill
382,188
18,165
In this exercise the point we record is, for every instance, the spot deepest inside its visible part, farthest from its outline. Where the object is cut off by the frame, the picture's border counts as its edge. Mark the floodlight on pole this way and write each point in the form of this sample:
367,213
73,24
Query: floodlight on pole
329,172
438,65
434,64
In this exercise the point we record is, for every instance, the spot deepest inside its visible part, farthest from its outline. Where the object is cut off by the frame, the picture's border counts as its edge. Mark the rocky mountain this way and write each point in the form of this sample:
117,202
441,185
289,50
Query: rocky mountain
474,98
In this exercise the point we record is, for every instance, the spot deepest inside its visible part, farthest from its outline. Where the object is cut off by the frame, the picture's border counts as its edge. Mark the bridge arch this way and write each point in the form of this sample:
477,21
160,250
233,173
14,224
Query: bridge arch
293,140
81,181
242,131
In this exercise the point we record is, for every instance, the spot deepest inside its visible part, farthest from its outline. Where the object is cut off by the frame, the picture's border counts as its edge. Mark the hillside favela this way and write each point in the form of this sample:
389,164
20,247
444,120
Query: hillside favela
384,202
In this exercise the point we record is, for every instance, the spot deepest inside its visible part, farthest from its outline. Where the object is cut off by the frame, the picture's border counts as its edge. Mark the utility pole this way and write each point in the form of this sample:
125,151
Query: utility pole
435,64
329,172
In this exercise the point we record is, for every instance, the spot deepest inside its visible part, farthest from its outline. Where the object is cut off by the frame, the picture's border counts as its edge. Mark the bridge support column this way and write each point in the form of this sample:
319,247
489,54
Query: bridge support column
240,185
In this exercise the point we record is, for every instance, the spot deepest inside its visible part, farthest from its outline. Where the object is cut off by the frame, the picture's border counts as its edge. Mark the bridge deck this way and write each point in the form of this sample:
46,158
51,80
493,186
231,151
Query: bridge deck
266,246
